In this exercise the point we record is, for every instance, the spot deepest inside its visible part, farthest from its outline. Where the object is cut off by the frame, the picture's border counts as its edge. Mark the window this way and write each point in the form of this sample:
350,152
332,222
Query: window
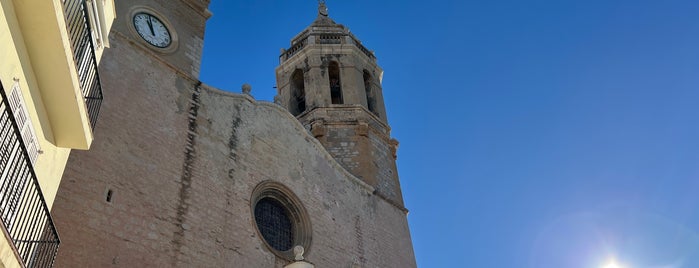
280,219
368,89
297,103
273,221
14,166
335,85
110,193
19,109
95,23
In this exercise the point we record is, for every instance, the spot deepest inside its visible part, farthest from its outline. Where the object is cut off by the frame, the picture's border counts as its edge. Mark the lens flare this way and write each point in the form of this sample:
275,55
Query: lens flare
612,264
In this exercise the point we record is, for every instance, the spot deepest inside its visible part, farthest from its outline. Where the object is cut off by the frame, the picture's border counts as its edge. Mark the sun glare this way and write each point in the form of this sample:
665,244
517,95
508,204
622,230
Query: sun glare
612,264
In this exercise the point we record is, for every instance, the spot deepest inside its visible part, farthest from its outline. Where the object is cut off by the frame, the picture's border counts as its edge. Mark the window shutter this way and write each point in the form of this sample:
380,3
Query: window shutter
19,109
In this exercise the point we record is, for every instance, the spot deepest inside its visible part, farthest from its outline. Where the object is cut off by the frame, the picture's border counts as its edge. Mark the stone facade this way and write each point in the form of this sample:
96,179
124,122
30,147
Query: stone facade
352,126
170,178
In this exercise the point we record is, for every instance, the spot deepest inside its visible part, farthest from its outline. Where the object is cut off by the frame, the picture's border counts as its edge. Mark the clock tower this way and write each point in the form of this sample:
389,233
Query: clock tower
117,206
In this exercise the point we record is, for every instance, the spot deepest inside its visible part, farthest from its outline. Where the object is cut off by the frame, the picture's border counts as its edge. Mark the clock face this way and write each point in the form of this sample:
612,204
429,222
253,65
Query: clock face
151,29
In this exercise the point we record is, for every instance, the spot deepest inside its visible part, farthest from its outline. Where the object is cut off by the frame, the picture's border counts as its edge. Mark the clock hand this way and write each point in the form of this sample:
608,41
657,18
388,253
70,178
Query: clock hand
150,25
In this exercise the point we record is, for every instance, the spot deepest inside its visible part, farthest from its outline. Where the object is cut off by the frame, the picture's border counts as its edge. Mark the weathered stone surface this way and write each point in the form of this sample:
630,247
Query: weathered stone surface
158,217
355,132
181,161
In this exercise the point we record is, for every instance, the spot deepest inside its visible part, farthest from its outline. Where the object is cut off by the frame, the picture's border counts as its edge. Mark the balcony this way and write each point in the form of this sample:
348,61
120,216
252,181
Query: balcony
63,41
79,25
23,211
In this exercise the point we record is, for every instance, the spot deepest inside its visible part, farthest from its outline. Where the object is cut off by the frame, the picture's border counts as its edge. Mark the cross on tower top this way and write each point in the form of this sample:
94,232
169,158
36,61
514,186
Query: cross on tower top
322,8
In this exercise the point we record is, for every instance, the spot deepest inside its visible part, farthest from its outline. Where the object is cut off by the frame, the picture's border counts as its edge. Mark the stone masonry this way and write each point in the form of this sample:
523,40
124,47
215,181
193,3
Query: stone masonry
170,177
354,130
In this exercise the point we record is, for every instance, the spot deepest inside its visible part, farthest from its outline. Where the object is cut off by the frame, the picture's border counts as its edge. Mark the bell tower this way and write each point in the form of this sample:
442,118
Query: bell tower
332,84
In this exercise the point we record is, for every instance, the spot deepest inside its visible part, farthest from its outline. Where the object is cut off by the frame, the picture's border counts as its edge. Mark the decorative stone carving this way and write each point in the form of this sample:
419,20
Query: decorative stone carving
322,8
394,148
278,99
363,129
298,256
247,88
298,253
318,129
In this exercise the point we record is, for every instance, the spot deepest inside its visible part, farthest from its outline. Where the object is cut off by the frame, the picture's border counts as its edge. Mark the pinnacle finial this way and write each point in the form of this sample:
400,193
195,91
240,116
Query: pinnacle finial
246,88
322,8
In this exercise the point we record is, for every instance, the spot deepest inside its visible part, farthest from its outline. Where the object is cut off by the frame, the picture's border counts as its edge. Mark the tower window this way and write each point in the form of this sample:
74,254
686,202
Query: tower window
297,103
273,221
335,85
370,98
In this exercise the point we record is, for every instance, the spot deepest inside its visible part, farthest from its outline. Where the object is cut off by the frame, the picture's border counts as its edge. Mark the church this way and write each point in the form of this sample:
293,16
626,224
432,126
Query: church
181,174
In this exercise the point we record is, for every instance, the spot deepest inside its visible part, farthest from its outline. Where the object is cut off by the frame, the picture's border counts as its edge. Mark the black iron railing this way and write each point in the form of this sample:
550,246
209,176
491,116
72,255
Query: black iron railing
80,32
23,210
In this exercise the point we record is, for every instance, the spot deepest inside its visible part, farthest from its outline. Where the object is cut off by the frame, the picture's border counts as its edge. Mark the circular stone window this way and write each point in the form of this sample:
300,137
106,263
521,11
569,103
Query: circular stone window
280,219
274,224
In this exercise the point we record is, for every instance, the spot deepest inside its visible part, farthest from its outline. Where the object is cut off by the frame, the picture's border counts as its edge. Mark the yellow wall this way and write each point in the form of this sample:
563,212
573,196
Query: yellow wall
13,67
35,52
7,256
44,30
16,65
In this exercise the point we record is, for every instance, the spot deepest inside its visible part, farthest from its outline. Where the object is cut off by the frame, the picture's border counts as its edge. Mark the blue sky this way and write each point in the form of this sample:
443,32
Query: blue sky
533,133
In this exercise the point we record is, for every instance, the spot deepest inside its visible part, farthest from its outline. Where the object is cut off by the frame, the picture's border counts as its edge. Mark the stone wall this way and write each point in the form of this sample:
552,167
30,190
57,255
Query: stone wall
186,21
186,203
180,163
360,142
169,179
